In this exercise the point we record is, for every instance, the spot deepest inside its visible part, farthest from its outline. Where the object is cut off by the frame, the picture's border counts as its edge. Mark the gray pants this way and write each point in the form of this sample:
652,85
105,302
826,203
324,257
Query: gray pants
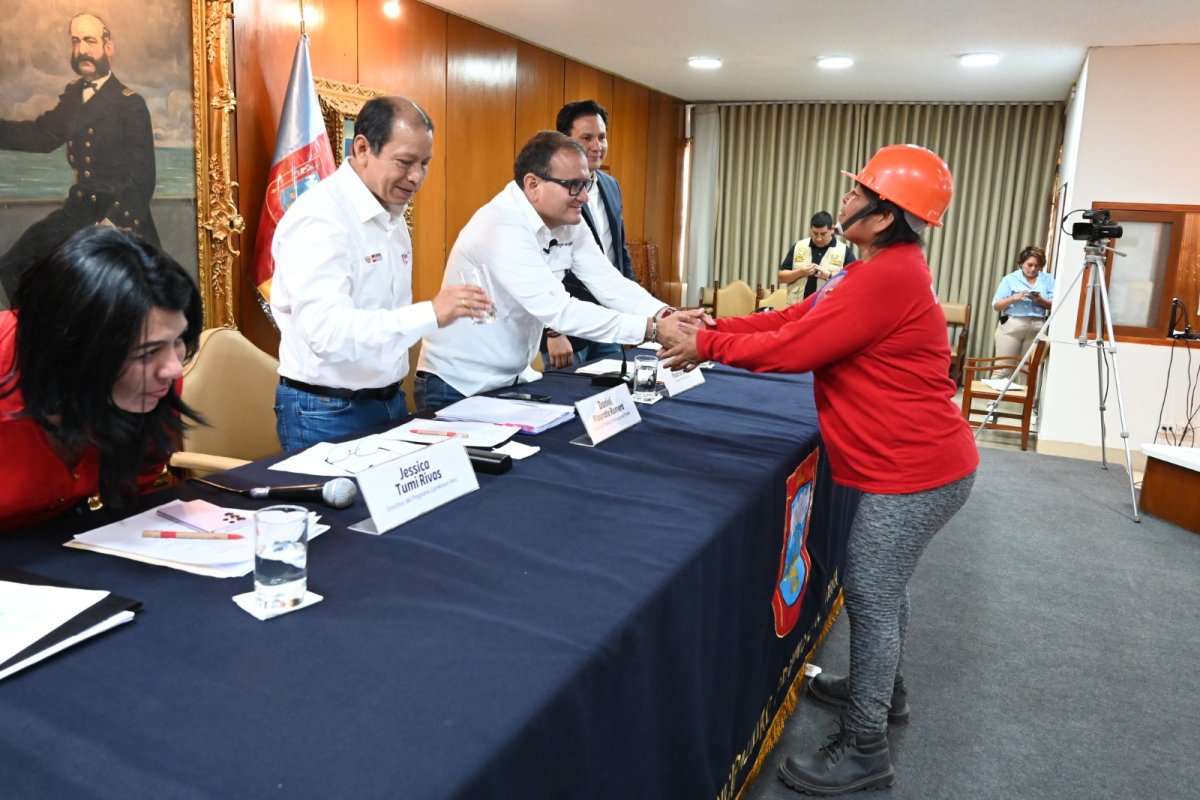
887,538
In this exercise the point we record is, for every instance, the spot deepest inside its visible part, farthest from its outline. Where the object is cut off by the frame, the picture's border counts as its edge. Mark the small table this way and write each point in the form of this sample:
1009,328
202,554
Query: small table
1171,484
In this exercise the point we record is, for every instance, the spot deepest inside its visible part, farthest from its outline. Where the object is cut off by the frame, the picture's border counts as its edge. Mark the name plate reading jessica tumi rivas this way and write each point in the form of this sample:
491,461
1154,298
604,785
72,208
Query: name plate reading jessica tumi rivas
406,487
678,381
606,414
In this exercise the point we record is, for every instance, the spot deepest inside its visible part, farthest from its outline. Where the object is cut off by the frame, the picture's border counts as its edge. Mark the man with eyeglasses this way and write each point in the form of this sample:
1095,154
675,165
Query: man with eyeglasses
525,239
586,122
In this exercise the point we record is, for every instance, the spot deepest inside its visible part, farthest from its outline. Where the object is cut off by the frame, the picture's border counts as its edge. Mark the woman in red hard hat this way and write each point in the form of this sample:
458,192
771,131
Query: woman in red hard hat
874,338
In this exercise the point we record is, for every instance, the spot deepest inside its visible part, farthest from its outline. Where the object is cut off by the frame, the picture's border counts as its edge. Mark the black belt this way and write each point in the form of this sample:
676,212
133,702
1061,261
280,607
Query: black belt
384,393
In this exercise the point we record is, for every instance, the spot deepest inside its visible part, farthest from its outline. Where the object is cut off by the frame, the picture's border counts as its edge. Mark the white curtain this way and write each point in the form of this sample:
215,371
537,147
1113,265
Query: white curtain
705,157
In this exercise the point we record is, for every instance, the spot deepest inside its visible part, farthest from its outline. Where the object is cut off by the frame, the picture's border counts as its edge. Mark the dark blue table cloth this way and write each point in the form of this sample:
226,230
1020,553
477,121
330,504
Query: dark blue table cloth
596,623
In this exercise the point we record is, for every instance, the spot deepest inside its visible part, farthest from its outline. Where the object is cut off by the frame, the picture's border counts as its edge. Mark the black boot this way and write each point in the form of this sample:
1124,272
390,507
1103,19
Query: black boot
848,762
833,691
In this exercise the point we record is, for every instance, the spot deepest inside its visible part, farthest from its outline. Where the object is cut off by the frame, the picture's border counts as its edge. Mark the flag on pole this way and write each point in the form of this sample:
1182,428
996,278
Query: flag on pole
302,158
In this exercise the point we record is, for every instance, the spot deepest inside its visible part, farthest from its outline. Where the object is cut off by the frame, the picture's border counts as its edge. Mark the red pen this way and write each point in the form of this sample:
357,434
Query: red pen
189,535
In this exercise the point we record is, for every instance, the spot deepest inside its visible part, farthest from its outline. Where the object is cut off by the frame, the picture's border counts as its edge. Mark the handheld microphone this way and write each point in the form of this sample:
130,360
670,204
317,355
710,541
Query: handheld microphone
551,246
337,493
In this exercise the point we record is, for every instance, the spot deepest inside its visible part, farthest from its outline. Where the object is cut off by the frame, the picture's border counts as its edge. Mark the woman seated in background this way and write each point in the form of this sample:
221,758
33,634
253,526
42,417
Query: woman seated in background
89,364
1023,299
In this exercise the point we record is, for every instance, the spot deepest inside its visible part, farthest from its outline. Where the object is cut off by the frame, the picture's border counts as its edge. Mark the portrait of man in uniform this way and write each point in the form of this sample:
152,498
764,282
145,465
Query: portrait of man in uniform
100,128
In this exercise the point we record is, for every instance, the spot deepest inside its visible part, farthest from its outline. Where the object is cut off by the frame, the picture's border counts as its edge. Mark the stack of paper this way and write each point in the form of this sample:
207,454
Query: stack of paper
432,431
218,558
526,416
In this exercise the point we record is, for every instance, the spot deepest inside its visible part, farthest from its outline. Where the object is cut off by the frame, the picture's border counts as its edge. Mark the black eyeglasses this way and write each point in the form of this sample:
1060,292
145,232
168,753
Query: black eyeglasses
573,186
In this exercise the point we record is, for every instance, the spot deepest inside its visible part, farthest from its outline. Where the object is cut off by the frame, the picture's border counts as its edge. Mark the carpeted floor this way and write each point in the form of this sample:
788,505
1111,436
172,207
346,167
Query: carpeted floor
1053,650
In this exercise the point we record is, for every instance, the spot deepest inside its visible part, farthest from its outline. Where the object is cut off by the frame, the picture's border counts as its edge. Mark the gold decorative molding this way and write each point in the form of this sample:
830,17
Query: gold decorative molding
217,218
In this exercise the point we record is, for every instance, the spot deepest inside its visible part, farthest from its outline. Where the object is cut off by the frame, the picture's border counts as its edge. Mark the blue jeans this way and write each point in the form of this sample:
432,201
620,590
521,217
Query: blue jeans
431,392
304,419
590,351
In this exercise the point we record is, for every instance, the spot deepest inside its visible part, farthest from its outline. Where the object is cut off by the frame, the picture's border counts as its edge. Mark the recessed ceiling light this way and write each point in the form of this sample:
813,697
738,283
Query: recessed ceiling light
835,62
704,62
979,59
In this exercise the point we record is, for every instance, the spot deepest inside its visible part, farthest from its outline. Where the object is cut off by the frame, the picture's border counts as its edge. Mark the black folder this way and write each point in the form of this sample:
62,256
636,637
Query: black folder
95,614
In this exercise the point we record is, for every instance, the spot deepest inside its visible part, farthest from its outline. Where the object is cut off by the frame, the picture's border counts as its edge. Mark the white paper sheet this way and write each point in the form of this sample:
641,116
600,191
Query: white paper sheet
27,612
432,431
367,452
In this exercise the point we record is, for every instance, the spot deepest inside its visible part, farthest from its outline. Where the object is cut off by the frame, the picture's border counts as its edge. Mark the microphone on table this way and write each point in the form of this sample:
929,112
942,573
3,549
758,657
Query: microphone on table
614,380
337,493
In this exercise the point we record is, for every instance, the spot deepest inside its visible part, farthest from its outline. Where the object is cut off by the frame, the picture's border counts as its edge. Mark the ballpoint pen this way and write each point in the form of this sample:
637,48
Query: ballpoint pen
456,434
189,535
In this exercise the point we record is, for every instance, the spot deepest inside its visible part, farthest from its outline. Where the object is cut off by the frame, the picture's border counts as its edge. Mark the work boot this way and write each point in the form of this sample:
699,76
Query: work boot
849,762
833,691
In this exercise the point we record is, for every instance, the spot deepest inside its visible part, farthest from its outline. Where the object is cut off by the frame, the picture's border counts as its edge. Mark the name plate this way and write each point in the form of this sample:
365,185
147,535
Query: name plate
407,487
678,381
606,414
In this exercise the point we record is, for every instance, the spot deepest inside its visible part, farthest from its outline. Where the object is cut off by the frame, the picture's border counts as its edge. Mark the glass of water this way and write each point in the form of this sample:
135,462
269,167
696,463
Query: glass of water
280,556
645,378
477,275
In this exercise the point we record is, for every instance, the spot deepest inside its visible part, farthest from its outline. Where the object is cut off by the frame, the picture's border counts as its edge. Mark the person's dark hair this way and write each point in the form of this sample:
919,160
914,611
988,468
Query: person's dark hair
80,311
573,111
380,114
536,154
900,231
821,219
1035,252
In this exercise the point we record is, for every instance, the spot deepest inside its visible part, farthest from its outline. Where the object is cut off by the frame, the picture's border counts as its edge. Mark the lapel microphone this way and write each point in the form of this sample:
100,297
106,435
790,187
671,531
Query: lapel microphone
551,246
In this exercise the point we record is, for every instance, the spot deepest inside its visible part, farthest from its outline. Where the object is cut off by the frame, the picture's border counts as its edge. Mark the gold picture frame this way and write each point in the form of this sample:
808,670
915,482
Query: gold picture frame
218,221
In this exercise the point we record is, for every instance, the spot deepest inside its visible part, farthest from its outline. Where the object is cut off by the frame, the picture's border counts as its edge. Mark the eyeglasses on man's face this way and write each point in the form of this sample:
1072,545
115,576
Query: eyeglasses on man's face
573,185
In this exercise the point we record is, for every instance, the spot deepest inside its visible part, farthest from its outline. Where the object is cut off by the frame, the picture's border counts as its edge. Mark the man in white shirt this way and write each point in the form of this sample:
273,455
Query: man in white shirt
342,289
586,122
526,238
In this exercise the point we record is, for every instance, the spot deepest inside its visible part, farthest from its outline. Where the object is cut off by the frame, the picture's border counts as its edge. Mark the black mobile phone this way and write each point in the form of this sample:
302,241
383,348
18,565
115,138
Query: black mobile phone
526,396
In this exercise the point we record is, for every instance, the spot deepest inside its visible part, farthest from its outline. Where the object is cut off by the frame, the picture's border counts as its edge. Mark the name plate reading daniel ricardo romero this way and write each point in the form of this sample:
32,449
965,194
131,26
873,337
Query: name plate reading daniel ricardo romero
606,414
406,487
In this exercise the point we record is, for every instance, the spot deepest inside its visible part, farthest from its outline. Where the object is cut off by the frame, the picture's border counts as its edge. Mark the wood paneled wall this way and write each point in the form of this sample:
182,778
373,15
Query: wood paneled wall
487,94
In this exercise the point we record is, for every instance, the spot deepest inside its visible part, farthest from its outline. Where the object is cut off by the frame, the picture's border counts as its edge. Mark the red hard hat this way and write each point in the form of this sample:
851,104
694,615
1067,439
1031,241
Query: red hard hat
912,177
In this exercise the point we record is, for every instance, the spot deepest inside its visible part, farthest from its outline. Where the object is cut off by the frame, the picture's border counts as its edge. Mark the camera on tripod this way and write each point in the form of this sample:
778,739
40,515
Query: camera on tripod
1099,226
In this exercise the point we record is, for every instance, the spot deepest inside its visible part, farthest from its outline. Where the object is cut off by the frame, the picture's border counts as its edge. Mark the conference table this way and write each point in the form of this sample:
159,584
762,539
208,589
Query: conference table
622,621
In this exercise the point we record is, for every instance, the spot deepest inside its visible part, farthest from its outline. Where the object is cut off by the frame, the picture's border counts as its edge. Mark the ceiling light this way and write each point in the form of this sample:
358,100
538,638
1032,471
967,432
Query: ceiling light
835,62
392,9
704,62
979,59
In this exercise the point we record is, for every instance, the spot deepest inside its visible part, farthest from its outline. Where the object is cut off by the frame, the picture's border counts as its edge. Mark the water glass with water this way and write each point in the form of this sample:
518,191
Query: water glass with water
280,556
477,275
645,378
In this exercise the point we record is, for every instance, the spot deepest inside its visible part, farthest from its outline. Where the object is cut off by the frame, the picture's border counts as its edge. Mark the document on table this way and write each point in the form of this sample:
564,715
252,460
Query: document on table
218,558
27,613
527,416
346,459
606,366
471,434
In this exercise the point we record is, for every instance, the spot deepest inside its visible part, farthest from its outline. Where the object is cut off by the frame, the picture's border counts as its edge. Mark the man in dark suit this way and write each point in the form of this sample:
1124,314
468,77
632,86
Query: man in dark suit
110,146
586,122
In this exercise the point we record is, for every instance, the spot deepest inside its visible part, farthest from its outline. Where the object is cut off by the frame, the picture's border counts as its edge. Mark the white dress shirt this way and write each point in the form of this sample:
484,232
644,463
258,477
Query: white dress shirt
600,219
342,290
509,237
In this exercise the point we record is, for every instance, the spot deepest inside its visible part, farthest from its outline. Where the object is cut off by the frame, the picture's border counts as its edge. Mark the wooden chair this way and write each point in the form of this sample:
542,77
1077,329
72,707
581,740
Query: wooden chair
974,389
958,314
776,299
231,383
735,300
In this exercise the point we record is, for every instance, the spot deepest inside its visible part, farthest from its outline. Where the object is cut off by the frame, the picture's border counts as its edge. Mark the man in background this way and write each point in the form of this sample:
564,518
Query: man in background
814,260
586,122
110,146
526,238
342,289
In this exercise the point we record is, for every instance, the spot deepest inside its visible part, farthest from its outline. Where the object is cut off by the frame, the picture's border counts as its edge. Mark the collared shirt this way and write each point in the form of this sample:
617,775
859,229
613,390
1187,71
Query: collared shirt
600,220
1015,283
90,91
342,290
525,262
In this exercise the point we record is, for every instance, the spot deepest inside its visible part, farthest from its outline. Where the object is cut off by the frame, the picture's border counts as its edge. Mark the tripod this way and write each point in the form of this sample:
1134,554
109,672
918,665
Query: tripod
1105,343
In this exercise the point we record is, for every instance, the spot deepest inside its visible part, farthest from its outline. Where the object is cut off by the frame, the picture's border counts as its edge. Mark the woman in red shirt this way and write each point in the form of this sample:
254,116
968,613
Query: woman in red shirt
874,338
89,363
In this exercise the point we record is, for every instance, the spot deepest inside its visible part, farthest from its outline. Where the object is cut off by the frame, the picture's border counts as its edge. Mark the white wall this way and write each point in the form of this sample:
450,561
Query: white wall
1133,135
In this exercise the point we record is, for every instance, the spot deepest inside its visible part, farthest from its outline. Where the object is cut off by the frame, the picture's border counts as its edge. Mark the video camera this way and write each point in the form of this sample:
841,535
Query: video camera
1100,225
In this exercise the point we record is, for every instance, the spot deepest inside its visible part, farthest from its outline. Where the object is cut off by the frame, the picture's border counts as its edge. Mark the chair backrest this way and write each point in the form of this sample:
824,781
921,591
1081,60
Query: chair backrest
957,314
735,300
776,299
1034,367
231,383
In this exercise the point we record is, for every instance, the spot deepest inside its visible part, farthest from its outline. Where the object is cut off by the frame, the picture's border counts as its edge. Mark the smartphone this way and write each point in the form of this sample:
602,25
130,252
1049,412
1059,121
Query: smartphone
526,396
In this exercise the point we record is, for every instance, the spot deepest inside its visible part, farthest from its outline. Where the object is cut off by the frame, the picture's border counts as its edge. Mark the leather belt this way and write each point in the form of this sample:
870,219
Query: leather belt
384,393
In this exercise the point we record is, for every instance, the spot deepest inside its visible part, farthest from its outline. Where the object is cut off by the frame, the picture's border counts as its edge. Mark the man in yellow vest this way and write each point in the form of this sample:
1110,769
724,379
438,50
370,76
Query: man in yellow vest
814,260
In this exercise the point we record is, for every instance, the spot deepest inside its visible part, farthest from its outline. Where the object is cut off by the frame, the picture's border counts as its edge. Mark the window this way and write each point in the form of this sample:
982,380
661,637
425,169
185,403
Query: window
1161,244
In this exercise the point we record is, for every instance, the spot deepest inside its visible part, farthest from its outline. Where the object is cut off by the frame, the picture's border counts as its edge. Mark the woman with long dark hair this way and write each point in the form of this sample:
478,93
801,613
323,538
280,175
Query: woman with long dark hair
89,363
874,338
